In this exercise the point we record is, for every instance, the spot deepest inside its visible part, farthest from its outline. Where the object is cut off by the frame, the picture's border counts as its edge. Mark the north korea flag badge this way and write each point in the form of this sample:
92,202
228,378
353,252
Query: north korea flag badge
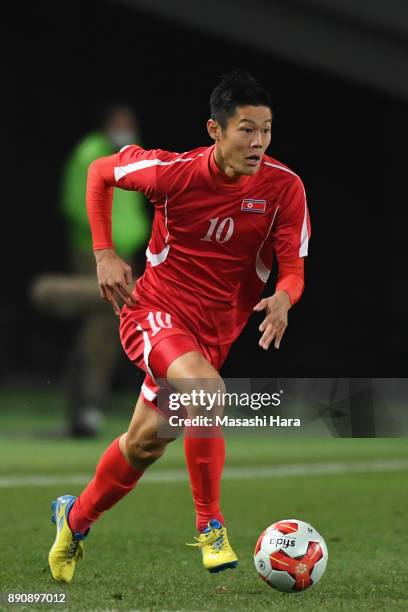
255,206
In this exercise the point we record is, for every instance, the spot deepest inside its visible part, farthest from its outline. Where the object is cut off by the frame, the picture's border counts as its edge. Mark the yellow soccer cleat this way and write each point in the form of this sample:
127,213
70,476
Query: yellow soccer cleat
67,549
215,548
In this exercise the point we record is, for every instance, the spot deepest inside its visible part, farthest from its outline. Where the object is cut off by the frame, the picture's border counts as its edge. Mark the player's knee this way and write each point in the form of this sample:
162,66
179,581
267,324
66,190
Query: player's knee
207,396
202,387
214,388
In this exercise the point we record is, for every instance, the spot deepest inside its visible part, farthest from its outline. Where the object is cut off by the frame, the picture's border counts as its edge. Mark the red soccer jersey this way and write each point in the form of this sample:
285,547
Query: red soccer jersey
213,238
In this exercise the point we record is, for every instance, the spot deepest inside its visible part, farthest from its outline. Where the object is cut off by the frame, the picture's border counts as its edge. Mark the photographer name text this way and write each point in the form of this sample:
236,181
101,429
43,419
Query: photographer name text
227,421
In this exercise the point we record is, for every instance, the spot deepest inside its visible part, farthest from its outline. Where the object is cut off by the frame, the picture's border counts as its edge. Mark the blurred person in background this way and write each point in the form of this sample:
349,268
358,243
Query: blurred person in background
91,362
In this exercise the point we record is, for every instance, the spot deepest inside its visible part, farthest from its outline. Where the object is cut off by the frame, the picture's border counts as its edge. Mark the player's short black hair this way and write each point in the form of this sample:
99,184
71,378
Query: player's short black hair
236,88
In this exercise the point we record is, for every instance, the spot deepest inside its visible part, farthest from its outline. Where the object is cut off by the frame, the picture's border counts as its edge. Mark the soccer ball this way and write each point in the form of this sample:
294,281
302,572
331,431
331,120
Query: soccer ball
290,555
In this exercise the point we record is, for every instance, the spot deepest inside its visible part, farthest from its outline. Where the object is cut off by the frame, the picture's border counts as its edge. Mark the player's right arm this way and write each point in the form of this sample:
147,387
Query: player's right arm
135,169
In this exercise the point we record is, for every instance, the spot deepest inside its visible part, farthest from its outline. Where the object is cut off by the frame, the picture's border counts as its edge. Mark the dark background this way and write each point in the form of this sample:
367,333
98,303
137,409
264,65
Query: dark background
347,141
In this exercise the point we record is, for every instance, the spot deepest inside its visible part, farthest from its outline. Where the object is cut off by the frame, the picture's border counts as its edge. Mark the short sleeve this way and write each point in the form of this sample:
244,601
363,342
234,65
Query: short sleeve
292,228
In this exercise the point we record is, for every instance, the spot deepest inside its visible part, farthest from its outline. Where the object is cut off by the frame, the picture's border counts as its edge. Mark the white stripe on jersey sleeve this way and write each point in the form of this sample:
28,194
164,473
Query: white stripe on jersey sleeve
121,171
280,168
304,235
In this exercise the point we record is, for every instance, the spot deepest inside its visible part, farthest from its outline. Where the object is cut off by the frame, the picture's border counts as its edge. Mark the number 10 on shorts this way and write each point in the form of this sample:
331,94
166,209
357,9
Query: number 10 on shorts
156,321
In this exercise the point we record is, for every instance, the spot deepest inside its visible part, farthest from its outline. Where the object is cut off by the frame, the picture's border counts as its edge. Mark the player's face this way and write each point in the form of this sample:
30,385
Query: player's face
239,147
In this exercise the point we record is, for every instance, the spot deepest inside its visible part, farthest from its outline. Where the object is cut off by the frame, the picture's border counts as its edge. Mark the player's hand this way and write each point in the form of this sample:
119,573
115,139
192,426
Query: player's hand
114,279
276,321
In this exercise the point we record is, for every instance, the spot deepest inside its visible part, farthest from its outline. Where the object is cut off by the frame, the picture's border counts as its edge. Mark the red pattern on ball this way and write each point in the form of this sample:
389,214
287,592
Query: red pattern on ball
286,527
299,568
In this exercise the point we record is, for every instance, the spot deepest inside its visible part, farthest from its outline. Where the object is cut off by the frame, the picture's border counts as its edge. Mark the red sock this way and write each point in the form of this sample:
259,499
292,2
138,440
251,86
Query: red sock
205,461
114,478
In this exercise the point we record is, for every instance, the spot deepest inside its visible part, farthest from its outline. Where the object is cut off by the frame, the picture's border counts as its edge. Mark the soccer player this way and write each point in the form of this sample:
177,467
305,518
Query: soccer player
222,214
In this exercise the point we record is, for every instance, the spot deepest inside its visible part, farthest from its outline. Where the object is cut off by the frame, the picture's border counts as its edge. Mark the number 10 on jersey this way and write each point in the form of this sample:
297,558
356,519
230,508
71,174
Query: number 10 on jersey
225,224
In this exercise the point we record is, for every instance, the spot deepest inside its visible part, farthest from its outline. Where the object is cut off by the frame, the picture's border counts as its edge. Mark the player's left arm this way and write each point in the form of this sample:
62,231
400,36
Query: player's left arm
290,238
289,288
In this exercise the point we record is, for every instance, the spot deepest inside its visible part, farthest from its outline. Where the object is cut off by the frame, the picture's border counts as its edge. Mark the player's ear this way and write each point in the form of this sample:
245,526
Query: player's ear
213,129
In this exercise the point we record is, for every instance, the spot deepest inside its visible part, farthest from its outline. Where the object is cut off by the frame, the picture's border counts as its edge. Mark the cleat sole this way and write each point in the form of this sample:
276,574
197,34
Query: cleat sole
224,566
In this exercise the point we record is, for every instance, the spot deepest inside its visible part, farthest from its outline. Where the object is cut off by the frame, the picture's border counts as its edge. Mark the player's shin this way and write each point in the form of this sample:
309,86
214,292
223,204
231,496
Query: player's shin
114,478
205,458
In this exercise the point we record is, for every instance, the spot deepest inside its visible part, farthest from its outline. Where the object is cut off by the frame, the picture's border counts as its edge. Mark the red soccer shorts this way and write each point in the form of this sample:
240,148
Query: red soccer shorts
153,339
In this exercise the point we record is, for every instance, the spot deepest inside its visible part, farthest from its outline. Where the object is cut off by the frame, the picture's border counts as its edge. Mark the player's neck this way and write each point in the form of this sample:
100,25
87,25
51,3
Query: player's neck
224,167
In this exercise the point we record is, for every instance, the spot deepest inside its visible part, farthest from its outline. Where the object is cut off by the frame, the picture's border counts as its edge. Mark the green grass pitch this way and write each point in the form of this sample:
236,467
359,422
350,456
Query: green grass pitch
135,556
